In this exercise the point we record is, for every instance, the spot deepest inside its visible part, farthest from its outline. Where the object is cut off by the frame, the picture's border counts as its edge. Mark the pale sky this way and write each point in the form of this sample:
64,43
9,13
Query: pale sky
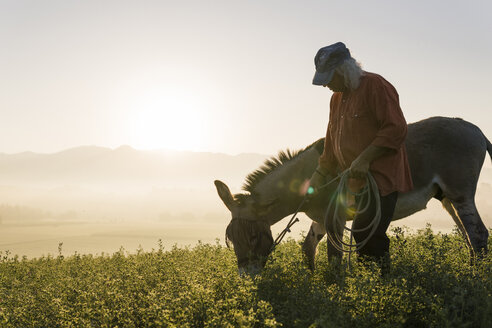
225,76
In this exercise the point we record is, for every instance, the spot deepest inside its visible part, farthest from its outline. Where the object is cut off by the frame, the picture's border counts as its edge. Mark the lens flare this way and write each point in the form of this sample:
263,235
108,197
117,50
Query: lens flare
295,186
350,212
305,188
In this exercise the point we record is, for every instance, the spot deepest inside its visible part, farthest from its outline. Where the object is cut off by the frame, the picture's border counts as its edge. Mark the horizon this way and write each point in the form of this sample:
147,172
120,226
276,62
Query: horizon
143,149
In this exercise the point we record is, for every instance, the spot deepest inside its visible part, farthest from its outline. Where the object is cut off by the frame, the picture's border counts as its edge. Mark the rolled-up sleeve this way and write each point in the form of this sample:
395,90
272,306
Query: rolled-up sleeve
392,124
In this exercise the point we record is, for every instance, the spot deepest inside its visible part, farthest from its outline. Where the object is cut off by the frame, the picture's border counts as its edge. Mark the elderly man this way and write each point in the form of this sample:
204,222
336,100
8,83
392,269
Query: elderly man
366,133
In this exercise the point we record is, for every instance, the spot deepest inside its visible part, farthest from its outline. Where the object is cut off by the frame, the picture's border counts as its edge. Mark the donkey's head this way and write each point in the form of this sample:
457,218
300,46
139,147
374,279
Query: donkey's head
249,230
273,192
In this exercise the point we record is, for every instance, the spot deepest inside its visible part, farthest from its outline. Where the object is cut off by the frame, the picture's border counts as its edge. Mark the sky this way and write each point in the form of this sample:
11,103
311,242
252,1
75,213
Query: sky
225,76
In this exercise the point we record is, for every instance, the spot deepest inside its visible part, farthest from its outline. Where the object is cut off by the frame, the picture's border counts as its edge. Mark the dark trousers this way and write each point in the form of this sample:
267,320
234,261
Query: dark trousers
377,248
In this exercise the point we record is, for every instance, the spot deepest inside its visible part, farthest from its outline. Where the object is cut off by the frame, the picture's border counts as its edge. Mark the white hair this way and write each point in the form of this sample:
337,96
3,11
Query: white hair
351,71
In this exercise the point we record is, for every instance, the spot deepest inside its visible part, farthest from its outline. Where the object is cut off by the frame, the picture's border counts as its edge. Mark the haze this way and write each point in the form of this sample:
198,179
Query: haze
166,78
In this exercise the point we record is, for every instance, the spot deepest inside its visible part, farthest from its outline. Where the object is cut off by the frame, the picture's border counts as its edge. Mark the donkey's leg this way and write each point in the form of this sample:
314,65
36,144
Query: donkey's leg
315,234
448,206
475,229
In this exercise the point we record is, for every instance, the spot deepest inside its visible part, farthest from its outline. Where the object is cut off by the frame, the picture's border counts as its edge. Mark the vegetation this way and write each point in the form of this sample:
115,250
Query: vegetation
431,284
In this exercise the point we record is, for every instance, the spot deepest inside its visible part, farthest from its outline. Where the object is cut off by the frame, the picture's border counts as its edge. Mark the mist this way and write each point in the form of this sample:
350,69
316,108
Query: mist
98,200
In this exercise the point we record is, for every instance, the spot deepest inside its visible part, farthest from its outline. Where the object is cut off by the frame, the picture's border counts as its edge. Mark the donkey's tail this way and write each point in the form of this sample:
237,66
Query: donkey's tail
489,147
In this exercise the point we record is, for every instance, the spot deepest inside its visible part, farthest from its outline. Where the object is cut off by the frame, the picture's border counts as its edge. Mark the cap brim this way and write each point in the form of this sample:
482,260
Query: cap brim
323,78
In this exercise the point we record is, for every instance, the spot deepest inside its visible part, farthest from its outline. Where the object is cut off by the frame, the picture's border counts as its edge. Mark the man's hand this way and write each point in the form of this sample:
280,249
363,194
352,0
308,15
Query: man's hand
360,166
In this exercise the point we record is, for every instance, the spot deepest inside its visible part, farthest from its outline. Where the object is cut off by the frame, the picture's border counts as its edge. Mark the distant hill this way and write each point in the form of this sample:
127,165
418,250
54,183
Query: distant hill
125,167
90,166
105,167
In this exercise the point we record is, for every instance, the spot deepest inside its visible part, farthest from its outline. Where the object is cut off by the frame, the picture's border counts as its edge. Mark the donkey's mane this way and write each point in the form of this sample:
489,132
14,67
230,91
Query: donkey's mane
274,162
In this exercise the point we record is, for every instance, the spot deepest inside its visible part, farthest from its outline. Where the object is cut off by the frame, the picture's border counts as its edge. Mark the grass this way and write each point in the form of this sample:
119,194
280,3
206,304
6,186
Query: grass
431,284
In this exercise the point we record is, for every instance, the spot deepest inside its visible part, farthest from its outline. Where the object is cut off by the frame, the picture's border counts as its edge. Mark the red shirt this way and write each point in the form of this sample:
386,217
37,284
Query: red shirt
370,114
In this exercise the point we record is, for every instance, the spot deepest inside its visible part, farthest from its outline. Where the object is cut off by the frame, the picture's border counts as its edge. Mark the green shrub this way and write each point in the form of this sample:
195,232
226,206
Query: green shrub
431,284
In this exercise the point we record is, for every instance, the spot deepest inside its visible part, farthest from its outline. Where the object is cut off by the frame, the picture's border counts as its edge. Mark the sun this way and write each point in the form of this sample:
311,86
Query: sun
170,119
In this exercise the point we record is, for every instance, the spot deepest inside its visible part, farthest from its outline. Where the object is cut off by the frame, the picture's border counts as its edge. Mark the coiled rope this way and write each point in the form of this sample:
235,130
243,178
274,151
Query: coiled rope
339,207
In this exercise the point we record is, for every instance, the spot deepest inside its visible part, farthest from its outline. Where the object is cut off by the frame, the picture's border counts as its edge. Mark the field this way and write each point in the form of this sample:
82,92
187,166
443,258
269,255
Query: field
431,284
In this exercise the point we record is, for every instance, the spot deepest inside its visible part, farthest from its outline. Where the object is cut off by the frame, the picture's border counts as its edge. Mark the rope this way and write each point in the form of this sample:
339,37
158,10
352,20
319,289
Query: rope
292,221
339,205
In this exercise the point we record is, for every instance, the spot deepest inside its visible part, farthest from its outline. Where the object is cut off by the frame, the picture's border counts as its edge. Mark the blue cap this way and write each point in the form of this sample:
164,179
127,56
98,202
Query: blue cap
327,60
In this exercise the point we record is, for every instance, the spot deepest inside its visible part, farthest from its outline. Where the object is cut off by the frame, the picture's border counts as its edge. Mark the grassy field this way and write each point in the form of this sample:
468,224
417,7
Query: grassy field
431,285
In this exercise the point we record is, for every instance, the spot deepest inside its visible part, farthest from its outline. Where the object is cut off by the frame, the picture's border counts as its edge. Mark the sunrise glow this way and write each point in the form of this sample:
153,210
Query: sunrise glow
168,119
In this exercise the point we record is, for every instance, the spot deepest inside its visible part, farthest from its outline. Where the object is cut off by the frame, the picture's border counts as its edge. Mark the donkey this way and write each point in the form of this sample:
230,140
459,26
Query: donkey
445,157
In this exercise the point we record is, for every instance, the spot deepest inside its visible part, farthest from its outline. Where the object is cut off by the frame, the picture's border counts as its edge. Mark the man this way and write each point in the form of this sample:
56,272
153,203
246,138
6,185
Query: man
366,133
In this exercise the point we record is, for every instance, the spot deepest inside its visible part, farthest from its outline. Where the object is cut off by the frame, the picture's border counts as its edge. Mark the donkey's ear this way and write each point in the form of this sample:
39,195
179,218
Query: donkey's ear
225,194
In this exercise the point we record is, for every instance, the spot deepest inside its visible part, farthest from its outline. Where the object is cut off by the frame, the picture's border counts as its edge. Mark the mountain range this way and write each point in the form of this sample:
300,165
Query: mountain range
91,166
